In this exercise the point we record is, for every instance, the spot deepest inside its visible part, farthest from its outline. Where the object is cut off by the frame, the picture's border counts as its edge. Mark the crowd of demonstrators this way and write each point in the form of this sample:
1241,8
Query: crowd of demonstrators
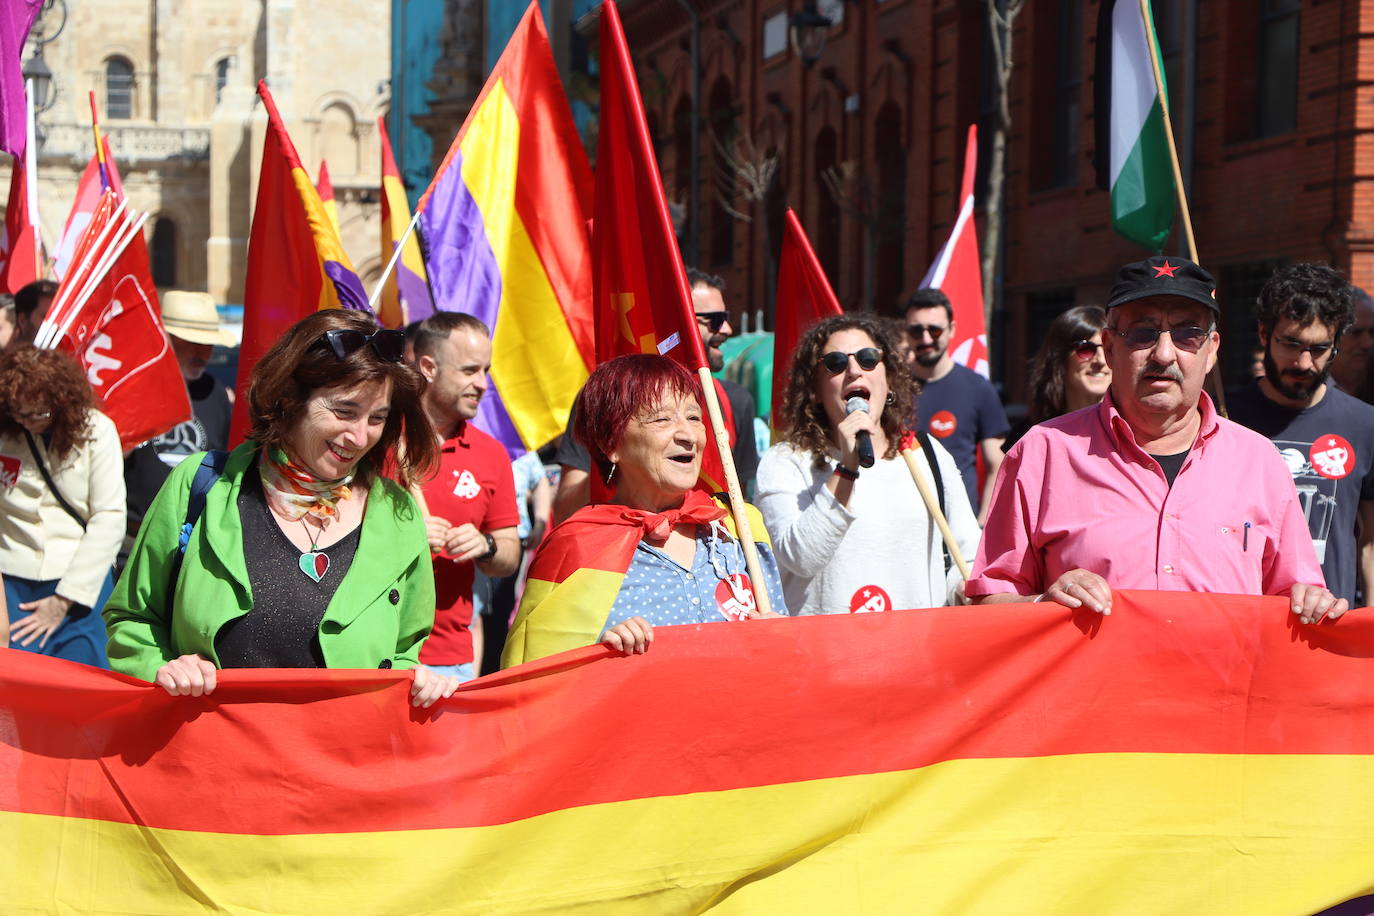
852,538
301,553
1069,371
193,329
713,323
470,510
662,551
1140,492
1325,436
61,505
957,405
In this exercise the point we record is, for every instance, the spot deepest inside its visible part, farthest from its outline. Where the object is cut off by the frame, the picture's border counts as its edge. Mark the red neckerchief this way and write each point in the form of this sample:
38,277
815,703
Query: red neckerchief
696,509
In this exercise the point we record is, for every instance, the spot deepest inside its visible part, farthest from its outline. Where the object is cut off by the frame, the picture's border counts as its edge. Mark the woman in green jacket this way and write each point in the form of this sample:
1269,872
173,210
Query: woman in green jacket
303,555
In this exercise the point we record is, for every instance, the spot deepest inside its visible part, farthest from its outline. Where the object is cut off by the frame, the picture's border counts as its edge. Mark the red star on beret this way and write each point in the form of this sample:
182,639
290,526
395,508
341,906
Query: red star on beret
1165,270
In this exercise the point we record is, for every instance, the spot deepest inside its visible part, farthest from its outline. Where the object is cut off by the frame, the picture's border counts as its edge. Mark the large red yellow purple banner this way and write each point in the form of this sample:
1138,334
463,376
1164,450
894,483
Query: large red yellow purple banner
1188,754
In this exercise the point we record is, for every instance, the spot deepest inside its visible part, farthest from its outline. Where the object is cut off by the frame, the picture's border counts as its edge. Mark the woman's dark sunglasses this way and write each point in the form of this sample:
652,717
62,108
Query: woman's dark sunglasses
1187,339
1085,349
389,345
836,362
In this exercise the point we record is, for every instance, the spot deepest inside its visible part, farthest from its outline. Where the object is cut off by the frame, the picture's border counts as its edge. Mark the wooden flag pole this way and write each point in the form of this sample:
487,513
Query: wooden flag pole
1215,375
743,529
910,446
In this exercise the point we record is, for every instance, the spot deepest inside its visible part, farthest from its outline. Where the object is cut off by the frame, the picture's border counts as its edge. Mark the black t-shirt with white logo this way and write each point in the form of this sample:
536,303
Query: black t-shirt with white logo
1329,448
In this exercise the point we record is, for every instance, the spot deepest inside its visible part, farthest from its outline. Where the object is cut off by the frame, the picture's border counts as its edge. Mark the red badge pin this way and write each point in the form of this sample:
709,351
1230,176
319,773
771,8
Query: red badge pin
943,424
1332,457
9,471
735,597
870,599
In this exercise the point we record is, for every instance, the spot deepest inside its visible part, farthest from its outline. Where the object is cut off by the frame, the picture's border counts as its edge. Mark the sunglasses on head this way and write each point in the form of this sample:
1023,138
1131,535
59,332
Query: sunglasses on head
836,362
715,320
1085,349
388,344
934,330
1187,339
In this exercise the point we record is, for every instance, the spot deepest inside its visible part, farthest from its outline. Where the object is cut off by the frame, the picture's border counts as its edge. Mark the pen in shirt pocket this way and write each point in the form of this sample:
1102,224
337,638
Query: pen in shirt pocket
1245,538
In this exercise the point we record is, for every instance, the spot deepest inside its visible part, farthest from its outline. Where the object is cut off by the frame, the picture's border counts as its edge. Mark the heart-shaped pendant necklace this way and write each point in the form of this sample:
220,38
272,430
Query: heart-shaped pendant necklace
314,563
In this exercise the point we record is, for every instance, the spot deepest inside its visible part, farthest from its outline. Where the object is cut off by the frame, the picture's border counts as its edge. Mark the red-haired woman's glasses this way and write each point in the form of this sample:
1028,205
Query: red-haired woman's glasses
836,362
388,344
1085,349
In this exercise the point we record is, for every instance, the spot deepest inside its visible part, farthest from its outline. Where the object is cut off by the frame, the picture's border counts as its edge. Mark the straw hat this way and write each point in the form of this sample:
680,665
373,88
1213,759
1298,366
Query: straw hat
193,317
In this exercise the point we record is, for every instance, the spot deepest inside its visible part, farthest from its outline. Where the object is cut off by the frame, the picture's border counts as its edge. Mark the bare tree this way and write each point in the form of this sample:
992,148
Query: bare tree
881,216
1001,21
745,173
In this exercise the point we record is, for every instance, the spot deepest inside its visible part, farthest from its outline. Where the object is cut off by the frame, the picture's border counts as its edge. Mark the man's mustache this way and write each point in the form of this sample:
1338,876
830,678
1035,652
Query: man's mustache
1172,372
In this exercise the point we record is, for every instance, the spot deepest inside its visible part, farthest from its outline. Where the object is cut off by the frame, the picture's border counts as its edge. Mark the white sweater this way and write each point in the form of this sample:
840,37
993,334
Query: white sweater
835,558
38,539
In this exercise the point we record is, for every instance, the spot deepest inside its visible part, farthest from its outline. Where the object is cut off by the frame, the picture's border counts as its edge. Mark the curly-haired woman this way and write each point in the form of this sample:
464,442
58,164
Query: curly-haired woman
851,539
61,505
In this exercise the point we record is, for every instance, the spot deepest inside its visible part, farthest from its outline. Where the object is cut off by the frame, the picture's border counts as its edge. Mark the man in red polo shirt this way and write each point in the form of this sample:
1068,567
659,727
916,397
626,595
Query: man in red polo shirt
471,509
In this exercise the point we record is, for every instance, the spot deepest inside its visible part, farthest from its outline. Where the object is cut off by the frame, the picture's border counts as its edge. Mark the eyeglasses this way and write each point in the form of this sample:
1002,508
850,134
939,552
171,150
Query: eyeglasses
1187,339
934,330
836,362
1292,349
388,344
1085,349
716,320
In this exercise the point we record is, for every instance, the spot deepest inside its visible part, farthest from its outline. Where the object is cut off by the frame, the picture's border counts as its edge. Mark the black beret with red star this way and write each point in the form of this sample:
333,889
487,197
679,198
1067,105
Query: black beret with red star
1164,275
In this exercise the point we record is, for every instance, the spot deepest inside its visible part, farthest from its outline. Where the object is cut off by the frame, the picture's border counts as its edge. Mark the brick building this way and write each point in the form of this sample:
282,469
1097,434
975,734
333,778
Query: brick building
1271,101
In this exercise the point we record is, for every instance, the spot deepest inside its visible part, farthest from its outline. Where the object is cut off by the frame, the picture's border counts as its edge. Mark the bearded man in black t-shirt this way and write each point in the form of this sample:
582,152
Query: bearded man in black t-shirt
1325,436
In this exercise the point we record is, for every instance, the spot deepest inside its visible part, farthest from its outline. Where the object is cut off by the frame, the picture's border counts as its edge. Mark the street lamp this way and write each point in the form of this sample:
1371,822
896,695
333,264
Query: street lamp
37,71
810,28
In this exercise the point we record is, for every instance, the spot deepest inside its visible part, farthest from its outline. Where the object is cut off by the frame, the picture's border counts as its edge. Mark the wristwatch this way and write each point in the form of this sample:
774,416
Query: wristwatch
491,548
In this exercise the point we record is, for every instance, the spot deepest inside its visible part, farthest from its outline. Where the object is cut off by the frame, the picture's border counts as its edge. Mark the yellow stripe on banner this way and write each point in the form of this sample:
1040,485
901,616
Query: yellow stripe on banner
537,367
1102,833
570,614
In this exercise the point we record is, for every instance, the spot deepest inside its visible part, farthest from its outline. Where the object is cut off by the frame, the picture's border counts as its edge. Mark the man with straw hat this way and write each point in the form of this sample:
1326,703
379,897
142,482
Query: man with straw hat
1149,489
193,329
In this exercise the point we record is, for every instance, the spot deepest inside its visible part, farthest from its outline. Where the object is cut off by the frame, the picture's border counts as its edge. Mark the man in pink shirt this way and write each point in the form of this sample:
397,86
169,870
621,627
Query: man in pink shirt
1149,489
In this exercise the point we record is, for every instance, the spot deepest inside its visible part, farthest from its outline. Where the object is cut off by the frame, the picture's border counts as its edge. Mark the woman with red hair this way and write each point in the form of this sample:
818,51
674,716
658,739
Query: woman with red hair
660,551
61,505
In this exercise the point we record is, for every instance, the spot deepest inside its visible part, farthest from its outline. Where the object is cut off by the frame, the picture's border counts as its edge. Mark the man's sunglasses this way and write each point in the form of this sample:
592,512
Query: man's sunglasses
1085,349
1188,339
934,330
715,320
836,362
388,344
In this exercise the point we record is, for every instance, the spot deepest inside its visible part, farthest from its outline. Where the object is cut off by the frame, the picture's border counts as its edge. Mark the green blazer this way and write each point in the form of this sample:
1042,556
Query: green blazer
380,614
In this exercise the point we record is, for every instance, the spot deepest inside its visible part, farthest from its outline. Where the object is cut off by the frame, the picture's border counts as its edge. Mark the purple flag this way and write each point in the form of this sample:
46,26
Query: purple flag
15,21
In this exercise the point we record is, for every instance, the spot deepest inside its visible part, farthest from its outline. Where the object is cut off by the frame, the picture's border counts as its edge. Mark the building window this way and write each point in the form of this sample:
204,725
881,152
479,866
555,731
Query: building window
164,253
1238,287
221,78
723,132
774,35
1277,95
1042,307
828,220
1055,87
889,223
119,89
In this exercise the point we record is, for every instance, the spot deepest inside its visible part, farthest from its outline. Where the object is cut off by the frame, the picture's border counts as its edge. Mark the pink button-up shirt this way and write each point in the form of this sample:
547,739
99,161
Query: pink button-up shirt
1079,492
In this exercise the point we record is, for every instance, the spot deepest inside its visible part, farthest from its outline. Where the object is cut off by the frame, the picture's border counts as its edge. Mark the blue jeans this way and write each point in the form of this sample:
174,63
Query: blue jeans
463,672
79,638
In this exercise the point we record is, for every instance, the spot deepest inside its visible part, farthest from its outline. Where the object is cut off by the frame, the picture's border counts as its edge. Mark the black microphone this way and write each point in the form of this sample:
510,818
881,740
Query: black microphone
863,442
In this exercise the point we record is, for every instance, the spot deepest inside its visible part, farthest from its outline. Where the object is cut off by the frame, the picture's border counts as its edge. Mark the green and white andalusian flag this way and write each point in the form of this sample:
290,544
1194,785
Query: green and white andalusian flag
1132,148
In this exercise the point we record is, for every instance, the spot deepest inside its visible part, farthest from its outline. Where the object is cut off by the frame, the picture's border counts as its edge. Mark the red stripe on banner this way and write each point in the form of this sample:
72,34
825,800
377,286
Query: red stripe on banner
709,707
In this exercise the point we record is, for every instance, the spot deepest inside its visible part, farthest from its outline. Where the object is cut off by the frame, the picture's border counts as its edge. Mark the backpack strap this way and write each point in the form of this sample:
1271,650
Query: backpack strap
210,471
924,438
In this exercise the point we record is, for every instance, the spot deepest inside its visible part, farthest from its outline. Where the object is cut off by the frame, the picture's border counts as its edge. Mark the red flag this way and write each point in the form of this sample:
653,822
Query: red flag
804,298
958,273
88,191
19,245
117,336
643,302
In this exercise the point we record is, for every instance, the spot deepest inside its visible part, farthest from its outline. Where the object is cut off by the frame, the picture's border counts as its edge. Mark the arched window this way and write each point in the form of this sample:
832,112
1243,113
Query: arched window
721,119
164,253
339,139
890,234
828,210
221,78
119,89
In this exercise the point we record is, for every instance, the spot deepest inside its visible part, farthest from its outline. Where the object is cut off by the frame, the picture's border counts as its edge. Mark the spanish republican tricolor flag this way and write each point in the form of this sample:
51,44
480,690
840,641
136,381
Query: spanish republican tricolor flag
325,188
1186,755
296,263
505,231
406,295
